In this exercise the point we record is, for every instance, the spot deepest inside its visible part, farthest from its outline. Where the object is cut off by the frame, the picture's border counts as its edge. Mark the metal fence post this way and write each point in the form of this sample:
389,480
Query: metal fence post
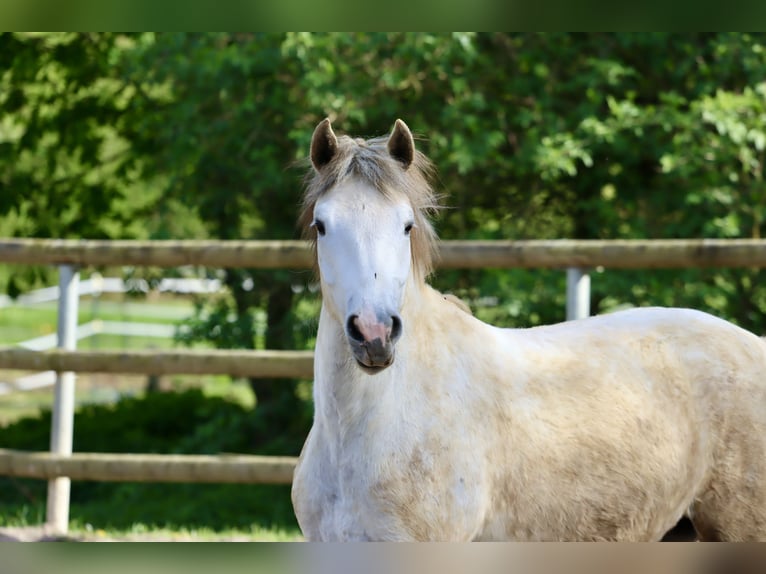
578,293
62,423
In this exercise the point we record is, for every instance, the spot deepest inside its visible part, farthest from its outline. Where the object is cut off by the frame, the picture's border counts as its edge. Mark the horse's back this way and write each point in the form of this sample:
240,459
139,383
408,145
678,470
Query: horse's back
696,342
683,357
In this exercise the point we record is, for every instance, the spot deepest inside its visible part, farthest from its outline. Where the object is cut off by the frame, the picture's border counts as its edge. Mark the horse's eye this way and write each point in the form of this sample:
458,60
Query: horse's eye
408,228
319,224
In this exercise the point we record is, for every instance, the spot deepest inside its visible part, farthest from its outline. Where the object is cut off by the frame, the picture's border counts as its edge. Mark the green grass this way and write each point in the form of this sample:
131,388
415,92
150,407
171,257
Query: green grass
164,310
143,532
23,322
20,323
28,516
104,341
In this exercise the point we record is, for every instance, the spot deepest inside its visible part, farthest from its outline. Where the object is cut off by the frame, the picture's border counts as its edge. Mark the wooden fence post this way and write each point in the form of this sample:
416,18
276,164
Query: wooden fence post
62,423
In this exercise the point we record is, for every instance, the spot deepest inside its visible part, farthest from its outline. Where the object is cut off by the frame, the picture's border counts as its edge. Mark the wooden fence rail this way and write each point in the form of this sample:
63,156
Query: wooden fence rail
557,253
261,364
61,465
249,469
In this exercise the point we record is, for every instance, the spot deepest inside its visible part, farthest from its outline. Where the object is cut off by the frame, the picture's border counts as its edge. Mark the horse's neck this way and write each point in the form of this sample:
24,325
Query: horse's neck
341,388
335,368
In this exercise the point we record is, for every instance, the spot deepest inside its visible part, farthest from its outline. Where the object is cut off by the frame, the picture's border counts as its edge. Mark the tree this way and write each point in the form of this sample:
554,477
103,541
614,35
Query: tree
64,170
568,135
214,118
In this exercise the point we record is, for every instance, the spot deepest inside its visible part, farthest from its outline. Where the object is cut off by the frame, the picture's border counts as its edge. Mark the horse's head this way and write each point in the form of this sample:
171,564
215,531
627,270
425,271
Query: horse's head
369,227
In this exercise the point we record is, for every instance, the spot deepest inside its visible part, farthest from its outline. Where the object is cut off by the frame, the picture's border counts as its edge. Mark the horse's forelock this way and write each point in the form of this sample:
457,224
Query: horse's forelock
370,161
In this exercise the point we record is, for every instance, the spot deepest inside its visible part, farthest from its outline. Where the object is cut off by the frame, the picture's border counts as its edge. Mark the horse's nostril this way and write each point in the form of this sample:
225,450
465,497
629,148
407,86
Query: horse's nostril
396,327
352,330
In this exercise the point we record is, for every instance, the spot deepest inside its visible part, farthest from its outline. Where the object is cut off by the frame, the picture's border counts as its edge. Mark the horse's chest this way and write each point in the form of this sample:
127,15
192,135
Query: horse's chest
415,494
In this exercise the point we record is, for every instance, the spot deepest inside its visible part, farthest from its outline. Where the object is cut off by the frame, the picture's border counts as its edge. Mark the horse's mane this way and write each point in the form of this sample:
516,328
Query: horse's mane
370,161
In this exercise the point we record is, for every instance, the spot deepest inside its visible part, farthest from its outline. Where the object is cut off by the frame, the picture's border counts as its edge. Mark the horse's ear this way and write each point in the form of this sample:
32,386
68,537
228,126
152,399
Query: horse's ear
401,145
324,144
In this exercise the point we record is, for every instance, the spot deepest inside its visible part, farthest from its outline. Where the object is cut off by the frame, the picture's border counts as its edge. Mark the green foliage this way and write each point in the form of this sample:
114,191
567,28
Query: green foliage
65,170
187,422
535,136
173,422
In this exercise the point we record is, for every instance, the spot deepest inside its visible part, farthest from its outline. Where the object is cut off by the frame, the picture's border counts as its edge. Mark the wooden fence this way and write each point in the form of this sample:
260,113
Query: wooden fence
555,253
262,364
62,465
149,467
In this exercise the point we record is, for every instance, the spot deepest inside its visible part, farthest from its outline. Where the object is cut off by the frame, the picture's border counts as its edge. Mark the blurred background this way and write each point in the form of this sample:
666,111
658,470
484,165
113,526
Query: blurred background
203,136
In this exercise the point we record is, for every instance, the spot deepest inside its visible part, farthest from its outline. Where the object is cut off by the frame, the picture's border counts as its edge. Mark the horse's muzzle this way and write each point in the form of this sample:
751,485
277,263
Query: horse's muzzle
372,339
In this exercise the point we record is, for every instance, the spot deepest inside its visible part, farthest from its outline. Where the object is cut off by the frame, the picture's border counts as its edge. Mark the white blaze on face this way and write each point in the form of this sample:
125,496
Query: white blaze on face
363,250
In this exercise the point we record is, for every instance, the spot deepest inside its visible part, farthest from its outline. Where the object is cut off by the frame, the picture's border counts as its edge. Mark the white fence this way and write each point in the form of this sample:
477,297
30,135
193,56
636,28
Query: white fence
95,286
84,331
